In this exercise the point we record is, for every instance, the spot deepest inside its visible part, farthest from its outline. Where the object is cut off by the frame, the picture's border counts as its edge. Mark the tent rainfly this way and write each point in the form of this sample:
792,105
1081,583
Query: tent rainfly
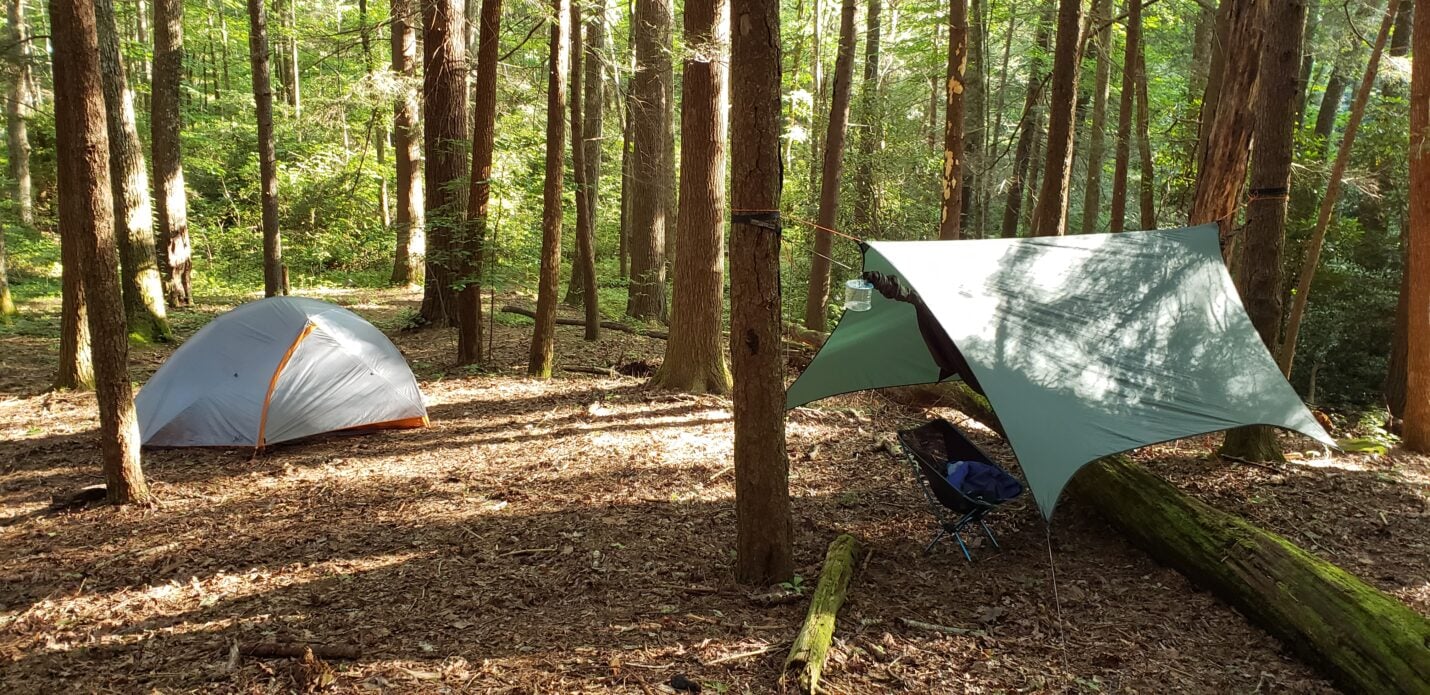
1084,345
278,369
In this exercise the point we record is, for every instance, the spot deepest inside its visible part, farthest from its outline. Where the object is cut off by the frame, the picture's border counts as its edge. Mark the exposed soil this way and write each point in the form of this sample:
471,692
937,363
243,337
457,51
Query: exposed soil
576,535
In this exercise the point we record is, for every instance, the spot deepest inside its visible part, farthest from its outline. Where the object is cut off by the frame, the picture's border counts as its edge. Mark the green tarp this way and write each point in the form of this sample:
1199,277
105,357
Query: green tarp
1085,345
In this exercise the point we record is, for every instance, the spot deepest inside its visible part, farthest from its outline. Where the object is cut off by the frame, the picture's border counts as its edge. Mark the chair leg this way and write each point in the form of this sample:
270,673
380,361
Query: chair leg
964,548
989,533
941,533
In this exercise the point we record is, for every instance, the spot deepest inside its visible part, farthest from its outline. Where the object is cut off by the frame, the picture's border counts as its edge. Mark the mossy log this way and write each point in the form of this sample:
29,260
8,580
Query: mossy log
1360,637
811,647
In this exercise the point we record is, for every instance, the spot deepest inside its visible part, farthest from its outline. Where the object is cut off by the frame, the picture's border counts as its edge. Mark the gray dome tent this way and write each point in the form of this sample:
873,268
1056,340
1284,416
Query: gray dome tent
278,369
1085,345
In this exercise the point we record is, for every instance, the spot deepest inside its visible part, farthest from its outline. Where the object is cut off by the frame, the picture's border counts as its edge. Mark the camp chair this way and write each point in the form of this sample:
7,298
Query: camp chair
929,448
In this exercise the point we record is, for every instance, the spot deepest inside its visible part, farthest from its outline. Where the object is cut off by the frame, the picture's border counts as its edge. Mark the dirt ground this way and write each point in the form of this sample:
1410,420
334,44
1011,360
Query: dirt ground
576,536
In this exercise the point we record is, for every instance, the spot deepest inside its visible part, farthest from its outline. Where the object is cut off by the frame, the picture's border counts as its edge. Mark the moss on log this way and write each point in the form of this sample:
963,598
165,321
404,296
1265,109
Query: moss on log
1361,637
811,647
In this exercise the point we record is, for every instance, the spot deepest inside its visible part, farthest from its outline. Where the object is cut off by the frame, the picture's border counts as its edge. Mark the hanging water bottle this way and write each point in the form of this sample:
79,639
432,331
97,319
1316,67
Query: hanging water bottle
858,295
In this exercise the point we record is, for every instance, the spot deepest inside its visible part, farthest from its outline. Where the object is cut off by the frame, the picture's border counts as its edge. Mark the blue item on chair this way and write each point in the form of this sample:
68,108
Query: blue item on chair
930,448
983,481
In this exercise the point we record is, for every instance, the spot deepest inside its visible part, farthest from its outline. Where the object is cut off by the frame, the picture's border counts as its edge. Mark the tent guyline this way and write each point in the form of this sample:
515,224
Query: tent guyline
1085,346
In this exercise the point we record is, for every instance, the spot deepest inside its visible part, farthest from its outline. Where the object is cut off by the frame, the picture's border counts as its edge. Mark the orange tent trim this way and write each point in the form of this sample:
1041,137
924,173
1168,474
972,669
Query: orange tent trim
273,382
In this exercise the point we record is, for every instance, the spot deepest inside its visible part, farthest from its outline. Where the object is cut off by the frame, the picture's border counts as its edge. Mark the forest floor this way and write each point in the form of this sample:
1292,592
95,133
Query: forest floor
576,536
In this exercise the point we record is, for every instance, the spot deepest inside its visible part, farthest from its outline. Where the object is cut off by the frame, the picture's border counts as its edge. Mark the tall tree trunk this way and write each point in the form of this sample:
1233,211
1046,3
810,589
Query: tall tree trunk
7,303
1028,127
407,149
585,217
17,102
764,527
1097,128
695,354
1303,84
267,158
975,123
1400,39
543,335
1125,115
444,130
1259,270
950,218
133,218
865,200
76,368
1146,181
86,218
650,123
1203,34
473,247
223,42
1333,194
592,113
1216,72
819,106
1228,141
624,242
1330,105
1050,217
295,89
1416,429
828,215
171,205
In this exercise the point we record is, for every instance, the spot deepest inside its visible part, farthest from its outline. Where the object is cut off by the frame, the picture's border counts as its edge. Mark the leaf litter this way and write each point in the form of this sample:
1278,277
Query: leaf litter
577,536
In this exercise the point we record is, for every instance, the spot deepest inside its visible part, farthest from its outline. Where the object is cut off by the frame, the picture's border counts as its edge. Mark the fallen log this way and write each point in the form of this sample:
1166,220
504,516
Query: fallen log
612,325
295,650
1359,636
811,647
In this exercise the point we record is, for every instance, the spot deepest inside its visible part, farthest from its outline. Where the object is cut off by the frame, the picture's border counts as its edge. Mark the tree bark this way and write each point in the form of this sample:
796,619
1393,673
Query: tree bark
484,107
1145,181
1125,115
650,140
543,335
1097,128
975,124
584,264
764,527
829,184
1263,237
444,131
865,199
295,88
623,243
695,353
1050,217
1416,290
171,204
950,218
267,158
86,218
1027,129
1228,133
76,368
143,291
1216,72
407,150
17,102
1287,354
